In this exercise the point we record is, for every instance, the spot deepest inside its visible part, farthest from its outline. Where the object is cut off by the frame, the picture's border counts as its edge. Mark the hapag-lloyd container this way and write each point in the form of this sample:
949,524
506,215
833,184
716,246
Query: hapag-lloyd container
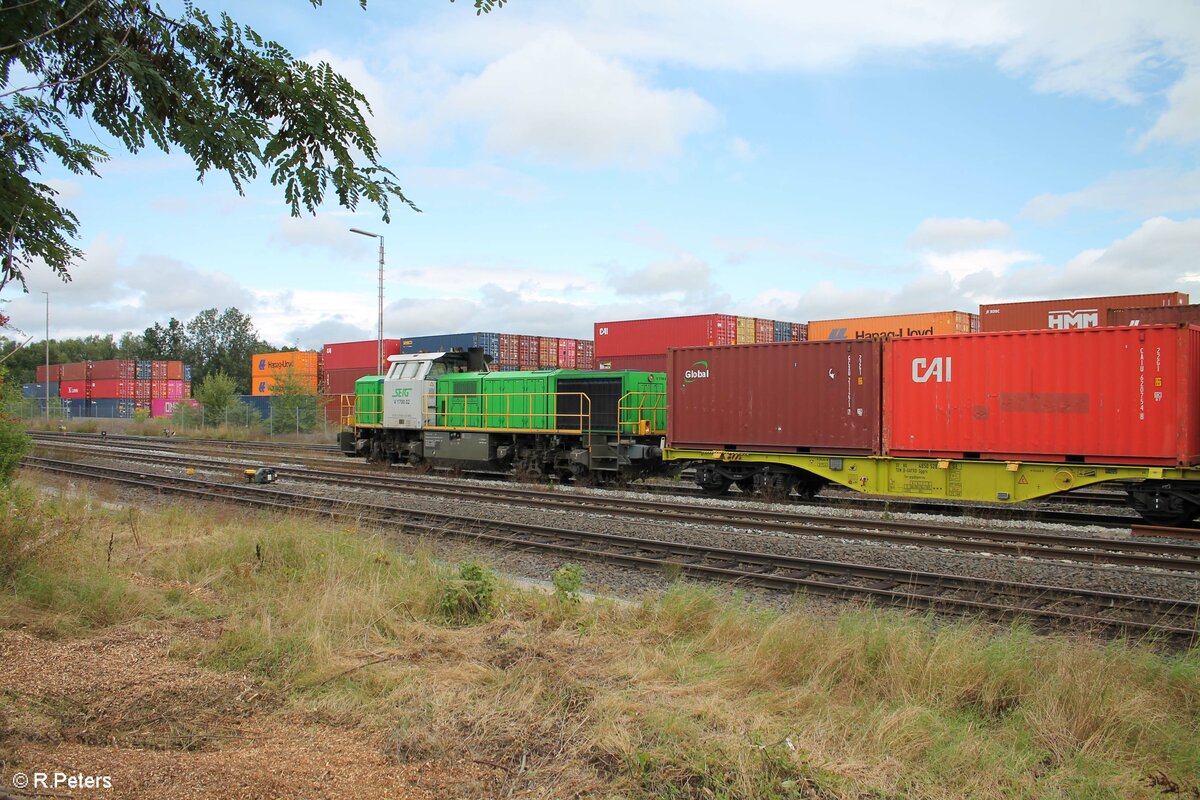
791,397
640,337
1099,395
1076,312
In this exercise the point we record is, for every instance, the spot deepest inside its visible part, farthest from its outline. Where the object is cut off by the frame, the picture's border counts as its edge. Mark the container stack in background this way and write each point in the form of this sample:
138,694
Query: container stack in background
114,389
1079,312
346,362
510,351
267,368
934,323
643,343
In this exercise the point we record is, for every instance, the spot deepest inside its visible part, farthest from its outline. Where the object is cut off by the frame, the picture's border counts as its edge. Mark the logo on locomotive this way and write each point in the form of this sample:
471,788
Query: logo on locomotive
937,369
695,372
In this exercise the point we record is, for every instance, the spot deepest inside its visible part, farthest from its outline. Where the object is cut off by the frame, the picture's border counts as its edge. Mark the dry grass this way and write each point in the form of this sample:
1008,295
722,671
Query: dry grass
688,695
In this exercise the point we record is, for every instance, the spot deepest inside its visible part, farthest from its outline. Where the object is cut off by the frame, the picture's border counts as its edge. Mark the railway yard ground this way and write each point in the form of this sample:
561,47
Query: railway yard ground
377,638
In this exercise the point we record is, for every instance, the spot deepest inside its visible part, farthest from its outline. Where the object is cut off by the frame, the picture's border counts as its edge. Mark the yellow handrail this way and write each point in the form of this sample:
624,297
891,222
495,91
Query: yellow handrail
630,412
513,414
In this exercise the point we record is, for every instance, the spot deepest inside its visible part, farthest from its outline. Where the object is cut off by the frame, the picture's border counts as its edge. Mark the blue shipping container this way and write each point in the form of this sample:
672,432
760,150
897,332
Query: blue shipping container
106,408
145,370
33,391
490,342
187,372
77,408
260,403
783,331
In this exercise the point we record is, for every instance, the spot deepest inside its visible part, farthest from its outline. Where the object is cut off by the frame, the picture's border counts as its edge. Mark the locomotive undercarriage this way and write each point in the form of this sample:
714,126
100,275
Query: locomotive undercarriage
597,458
716,477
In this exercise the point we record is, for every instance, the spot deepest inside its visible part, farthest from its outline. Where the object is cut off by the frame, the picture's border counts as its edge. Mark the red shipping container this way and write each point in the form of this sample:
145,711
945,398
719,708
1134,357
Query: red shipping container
187,388
654,363
118,369
791,397
75,371
1103,395
146,404
1155,315
585,354
341,381
639,337
55,373
528,351
141,390
158,389
73,390
764,330
358,355
111,389
1080,312
566,353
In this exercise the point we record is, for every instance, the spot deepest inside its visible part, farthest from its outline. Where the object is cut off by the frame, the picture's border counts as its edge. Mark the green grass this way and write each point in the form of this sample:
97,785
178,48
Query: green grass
686,695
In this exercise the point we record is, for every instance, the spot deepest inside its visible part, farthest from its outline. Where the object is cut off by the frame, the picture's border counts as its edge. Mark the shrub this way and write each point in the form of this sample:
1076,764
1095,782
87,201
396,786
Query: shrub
471,597
568,582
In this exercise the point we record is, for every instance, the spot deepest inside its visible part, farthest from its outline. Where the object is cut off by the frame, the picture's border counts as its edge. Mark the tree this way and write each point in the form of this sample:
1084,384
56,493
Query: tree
293,403
231,100
223,342
217,394
14,443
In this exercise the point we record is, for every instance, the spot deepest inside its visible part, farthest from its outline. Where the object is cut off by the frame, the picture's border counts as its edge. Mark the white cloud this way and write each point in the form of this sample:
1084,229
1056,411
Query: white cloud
327,231
963,264
1147,192
1181,121
952,233
741,149
554,99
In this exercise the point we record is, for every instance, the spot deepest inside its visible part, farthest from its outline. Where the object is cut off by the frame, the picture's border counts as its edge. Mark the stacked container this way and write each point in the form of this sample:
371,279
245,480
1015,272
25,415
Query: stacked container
510,351
585,354
488,342
1154,315
567,352
528,351
267,368
888,327
346,362
51,374
1080,312
745,331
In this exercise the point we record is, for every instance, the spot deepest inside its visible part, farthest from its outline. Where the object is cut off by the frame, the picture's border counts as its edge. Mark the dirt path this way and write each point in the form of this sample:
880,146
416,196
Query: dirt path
116,706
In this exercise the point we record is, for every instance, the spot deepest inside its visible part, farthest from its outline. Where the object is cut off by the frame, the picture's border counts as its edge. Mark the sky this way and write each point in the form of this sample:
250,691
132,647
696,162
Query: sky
578,162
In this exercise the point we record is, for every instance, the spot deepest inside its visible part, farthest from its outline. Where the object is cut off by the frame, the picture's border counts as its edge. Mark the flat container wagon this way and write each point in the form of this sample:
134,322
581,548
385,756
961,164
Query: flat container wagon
892,326
1077,312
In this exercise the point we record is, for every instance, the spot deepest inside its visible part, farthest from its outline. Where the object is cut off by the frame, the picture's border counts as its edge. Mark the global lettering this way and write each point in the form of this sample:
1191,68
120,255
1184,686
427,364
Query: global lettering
695,372
937,369
1079,318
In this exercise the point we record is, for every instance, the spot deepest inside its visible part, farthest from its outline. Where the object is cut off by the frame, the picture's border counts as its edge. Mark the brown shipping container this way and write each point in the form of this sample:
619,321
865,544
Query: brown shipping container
929,324
793,397
174,371
640,337
113,370
75,371
764,330
1155,315
645,363
547,351
1079,312
1103,395
341,381
52,375
585,354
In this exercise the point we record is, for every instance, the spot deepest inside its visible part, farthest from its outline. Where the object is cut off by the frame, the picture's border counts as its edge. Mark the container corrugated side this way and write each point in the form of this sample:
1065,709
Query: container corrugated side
303,362
1155,315
640,337
888,327
653,363
1100,395
353,355
794,397
1067,313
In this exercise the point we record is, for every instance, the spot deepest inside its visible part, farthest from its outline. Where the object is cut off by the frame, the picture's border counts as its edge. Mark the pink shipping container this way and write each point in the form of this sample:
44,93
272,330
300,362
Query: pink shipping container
158,388
76,371
73,390
355,355
639,337
764,330
162,407
566,353
112,389
647,363
175,388
1079,312
120,369
791,397
1155,315
1102,395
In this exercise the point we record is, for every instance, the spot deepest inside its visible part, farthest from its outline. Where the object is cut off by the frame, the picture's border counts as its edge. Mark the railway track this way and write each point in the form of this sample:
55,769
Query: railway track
328,455
997,541
1043,605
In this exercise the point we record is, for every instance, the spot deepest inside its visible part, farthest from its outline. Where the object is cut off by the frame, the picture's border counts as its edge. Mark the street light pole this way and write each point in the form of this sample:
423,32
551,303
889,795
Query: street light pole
47,358
379,343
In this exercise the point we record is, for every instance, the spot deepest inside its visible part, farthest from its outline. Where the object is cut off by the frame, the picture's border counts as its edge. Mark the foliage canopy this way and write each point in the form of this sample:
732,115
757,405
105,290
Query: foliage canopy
230,99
